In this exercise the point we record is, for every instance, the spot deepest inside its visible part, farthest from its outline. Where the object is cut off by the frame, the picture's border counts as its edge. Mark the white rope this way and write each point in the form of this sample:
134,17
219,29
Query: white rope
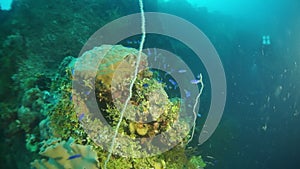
195,105
132,82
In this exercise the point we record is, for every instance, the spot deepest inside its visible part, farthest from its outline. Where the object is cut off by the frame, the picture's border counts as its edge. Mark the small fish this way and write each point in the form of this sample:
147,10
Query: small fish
88,92
204,132
145,85
195,81
81,116
155,52
210,157
210,163
181,71
73,71
173,82
136,41
187,93
74,156
149,52
129,42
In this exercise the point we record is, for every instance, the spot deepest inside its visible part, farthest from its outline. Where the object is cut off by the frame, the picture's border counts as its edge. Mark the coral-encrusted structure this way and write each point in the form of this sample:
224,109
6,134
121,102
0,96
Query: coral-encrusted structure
67,155
150,121
149,128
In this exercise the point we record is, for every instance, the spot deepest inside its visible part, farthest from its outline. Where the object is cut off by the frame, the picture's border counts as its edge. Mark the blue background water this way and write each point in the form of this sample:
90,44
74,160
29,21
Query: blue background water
5,4
260,125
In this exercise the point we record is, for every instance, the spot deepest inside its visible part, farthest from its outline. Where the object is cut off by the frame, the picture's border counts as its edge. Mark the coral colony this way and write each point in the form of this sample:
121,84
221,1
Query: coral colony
141,118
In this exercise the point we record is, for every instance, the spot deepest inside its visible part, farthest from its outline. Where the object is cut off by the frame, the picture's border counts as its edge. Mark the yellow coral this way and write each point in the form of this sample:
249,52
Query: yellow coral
59,156
142,129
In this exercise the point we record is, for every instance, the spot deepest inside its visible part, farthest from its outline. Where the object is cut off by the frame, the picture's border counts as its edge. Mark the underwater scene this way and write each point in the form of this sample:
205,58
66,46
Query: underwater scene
150,84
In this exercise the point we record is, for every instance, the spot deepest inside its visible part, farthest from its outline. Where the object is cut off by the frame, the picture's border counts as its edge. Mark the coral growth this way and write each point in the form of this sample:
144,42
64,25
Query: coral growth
196,162
66,154
149,126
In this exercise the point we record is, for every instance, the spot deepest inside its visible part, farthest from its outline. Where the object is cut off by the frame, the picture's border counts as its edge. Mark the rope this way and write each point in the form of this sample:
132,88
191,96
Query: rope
131,84
194,108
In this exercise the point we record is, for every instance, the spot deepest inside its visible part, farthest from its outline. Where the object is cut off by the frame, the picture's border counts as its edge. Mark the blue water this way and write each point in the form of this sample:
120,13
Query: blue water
260,125
5,4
